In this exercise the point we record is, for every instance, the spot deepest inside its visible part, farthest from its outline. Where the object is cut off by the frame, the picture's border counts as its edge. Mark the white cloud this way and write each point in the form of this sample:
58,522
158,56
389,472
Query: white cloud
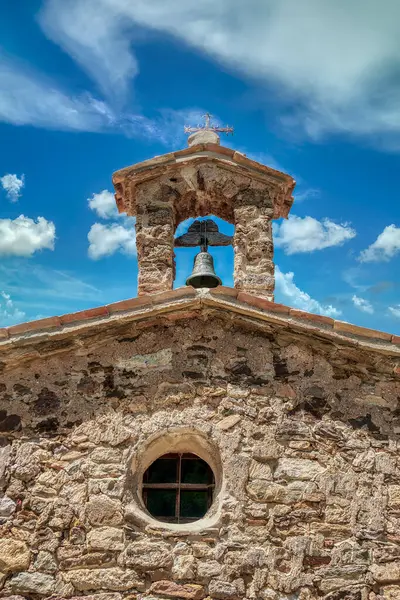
9,313
363,305
105,240
24,236
97,36
386,245
12,185
306,194
395,311
337,62
104,205
28,98
307,234
288,290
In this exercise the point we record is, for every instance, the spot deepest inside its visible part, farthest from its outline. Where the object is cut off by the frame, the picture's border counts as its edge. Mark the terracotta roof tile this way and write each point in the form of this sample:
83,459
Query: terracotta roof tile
343,327
85,315
310,317
262,303
181,292
229,294
49,323
190,150
129,304
219,149
223,290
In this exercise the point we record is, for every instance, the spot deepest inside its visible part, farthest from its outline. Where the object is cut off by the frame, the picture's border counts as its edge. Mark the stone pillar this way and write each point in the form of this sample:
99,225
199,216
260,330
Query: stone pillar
155,227
254,250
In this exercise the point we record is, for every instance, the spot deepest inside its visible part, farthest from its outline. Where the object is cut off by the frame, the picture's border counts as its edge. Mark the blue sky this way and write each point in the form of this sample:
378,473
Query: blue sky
90,86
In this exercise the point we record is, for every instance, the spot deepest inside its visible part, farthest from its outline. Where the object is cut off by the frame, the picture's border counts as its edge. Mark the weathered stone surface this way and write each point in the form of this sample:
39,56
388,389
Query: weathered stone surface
386,573
263,490
100,596
114,579
293,468
14,555
228,422
105,538
184,568
102,510
7,506
394,497
159,360
4,456
222,589
170,589
145,555
33,583
390,592
45,561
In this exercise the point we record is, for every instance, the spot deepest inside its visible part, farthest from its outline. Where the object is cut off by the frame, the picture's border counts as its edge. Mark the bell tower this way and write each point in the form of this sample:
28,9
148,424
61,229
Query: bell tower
205,178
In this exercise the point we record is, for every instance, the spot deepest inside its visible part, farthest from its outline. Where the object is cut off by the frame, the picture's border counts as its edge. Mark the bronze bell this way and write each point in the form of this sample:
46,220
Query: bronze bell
203,274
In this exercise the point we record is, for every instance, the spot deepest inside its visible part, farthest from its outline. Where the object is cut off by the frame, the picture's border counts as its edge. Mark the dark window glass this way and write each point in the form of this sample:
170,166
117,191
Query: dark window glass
196,471
193,504
162,470
178,488
161,503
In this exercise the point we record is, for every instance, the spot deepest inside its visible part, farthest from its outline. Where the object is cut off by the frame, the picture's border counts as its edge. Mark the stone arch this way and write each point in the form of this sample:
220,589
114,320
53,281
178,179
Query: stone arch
162,199
179,440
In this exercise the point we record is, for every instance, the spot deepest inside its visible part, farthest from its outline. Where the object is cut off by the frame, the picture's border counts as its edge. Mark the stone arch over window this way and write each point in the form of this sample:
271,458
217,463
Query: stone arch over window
181,442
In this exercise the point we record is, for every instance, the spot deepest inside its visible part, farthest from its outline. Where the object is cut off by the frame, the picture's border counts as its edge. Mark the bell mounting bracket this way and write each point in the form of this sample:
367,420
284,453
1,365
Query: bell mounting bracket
203,233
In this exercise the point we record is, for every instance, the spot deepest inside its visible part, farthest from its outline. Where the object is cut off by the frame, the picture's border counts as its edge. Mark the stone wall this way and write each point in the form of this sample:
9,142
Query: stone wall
306,432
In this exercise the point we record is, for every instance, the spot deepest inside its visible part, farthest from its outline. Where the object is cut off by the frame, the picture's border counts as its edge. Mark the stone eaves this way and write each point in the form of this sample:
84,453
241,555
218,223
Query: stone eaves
20,340
130,177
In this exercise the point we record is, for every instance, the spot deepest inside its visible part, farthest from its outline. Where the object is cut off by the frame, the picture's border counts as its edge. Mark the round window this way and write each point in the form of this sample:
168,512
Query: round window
178,488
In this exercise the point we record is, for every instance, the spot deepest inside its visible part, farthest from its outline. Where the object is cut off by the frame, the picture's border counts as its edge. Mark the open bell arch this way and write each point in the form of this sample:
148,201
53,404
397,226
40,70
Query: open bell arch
201,180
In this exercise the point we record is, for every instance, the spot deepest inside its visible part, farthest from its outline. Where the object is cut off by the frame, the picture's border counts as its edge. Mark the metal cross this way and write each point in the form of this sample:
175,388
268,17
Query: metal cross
208,127
203,233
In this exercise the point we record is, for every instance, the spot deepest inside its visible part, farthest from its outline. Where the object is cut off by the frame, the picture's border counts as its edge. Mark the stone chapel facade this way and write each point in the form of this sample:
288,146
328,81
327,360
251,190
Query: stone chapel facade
279,429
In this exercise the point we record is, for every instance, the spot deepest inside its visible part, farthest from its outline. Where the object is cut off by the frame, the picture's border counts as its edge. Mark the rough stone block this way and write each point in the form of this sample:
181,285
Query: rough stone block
33,583
170,589
102,510
148,556
105,538
14,555
293,468
386,573
114,579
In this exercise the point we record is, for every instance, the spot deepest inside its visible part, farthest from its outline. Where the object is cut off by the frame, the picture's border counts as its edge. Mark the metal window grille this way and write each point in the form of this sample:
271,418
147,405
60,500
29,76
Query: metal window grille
178,488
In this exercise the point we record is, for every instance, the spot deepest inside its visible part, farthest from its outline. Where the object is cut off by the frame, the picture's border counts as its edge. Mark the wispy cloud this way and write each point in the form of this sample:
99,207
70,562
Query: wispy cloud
394,311
29,98
385,247
362,304
9,313
307,234
12,185
288,292
330,86
103,49
40,291
24,236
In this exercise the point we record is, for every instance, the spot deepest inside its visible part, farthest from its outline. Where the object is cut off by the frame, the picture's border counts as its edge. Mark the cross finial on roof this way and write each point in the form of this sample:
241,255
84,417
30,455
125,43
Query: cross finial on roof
208,127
